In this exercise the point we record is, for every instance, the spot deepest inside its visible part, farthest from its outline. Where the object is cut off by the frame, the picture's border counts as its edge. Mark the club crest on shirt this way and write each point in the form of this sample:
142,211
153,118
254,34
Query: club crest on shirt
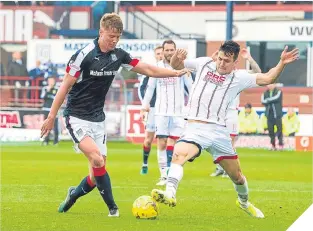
214,78
113,57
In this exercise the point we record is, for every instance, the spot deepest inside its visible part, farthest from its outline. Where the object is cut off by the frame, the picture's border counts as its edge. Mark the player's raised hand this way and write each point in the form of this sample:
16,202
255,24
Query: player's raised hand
245,53
181,54
214,55
289,56
47,126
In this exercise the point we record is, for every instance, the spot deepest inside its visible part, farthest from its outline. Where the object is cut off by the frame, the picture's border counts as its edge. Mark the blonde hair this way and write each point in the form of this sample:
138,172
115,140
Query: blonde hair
158,47
111,21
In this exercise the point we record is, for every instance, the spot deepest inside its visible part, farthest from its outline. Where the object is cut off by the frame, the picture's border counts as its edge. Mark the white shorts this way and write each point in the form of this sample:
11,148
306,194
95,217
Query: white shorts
231,122
150,123
212,137
78,129
169,126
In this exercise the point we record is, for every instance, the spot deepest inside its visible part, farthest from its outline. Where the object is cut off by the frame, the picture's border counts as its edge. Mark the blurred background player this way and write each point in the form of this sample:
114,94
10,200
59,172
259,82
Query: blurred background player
150,121
291,123
48,94
272,100
231,119
169,107
249,121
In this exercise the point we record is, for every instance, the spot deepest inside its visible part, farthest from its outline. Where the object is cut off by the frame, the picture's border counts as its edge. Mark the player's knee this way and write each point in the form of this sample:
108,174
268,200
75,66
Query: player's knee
238,178
162,144
96,159
147,142
179,156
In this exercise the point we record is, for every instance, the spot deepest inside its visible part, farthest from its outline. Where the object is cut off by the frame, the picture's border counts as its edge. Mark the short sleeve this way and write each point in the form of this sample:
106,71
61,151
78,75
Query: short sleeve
74,66
246,79
127,61
195,63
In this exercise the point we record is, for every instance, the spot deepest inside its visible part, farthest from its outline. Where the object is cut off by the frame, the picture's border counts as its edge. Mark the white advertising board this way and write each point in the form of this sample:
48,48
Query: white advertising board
59,51
301,30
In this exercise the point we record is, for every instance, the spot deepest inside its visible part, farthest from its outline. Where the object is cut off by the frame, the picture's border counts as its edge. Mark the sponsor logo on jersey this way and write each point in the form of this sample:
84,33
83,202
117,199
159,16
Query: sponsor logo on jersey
102,73
214,78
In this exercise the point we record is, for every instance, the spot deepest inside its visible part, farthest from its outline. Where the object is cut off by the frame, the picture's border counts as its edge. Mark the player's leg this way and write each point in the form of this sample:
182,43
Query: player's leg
162,158
146,151
161,123
101,174
149,136
176,128
232,168
85,186
224,154
183,151
171,140
280,133
270,127
186,149
78,129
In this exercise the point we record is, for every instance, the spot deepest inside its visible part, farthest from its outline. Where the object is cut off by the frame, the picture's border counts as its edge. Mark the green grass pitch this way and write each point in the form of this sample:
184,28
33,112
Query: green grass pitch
34,180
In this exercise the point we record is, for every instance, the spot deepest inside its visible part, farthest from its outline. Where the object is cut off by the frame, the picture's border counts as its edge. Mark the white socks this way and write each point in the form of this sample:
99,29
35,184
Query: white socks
175,175
243,192
162,160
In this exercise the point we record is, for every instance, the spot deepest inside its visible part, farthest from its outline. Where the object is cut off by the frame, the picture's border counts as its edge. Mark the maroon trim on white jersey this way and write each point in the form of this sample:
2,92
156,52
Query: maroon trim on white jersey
234,157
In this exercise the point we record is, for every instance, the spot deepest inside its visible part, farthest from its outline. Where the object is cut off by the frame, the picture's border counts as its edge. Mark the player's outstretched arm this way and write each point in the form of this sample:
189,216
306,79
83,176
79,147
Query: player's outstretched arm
263,79
156,72
247,56
68,82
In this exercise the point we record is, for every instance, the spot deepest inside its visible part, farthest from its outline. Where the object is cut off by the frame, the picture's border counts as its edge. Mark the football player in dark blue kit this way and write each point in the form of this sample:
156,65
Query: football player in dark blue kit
89,74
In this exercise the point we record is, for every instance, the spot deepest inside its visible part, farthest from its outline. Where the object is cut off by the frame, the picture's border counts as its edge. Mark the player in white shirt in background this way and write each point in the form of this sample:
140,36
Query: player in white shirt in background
169,109
231,119
217,84
150,120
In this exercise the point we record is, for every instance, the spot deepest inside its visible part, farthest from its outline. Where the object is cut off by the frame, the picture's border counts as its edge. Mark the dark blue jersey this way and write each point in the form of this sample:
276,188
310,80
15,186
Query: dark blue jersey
95,71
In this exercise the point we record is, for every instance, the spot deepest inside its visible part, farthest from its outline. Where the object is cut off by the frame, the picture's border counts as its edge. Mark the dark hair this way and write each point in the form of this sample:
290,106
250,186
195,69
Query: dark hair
169,42
230,47
248,105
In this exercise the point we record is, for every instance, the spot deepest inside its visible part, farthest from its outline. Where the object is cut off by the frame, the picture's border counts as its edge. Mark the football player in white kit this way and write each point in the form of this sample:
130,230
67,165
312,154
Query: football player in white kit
150,121
231,119
169,109
217,84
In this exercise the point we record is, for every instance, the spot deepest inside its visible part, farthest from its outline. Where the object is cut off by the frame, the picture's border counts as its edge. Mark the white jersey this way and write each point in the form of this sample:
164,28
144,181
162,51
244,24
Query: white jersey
234,105
170,93
212,93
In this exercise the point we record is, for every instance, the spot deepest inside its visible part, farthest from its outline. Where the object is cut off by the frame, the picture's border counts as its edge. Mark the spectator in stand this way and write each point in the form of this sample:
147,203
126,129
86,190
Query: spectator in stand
272,100
37,71
249,120
48,94
16,67
291,123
